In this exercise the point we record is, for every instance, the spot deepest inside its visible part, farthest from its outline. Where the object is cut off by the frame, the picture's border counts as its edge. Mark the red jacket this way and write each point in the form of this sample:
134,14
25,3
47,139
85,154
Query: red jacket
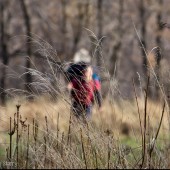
83,92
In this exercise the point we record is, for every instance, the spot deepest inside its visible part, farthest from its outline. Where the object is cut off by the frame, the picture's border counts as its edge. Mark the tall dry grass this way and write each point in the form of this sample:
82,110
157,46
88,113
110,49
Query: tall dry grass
56,142
42,133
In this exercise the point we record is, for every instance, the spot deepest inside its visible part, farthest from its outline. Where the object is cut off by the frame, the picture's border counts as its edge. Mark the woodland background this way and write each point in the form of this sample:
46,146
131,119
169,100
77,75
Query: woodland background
31,30
128,41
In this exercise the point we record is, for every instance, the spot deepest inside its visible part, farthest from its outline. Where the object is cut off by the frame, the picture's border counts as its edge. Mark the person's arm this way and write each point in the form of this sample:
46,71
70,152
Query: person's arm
70,86
98,98
97,91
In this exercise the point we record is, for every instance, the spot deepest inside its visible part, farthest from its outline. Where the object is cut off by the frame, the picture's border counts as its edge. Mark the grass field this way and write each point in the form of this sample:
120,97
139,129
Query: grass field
112,139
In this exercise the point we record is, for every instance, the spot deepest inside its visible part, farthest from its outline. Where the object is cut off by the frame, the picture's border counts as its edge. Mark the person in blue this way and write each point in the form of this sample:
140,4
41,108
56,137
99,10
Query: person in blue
85,88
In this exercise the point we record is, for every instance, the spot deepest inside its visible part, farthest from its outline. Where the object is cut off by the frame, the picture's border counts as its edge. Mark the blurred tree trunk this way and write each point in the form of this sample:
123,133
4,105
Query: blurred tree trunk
78,27
63,27
87,6
143,20
159,44
100,31
4,53
118,44
28,77
158,19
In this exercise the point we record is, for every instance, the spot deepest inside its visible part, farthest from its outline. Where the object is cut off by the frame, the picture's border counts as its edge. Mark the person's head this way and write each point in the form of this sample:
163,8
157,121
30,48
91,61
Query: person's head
87,70
88,73
80,71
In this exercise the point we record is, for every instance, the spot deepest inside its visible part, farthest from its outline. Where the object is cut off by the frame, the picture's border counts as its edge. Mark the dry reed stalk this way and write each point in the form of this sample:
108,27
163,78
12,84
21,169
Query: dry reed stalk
96,159
10,148
35,135
45,151
62,150
62,145
11,133
27,156
157,133
91,151
57,129
46,121
45,141
69,131
149,137
145,120
7,153
109,153
22,129
83,149
136,163
139,114
51,161
168,103
17,139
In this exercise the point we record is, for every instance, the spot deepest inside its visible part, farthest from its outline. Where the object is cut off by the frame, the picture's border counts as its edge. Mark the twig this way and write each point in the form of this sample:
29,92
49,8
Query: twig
69,131
10,148
156,136
57,129
27,157
138,111
96,158
46,124
109,152
145,117
82,144
17,140
45,151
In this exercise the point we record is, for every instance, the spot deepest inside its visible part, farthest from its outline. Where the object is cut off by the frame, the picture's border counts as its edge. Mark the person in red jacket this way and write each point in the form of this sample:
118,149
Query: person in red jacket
84,89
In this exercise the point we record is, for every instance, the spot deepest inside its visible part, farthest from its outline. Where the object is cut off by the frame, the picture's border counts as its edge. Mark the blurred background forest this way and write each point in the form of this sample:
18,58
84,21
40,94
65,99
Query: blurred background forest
31,30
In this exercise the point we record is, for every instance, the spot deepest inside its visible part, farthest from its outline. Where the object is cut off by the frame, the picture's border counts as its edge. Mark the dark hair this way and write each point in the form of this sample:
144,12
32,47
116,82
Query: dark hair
77,70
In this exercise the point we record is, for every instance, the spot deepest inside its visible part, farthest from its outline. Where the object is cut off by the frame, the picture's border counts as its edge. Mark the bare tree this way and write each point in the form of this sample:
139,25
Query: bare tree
100,30
78,27
118,44
143,20
86,20
4,52
28,78
63,25
159,44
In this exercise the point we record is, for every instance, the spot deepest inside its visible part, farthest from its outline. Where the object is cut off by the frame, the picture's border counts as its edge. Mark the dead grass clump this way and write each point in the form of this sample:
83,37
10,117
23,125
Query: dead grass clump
125,129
